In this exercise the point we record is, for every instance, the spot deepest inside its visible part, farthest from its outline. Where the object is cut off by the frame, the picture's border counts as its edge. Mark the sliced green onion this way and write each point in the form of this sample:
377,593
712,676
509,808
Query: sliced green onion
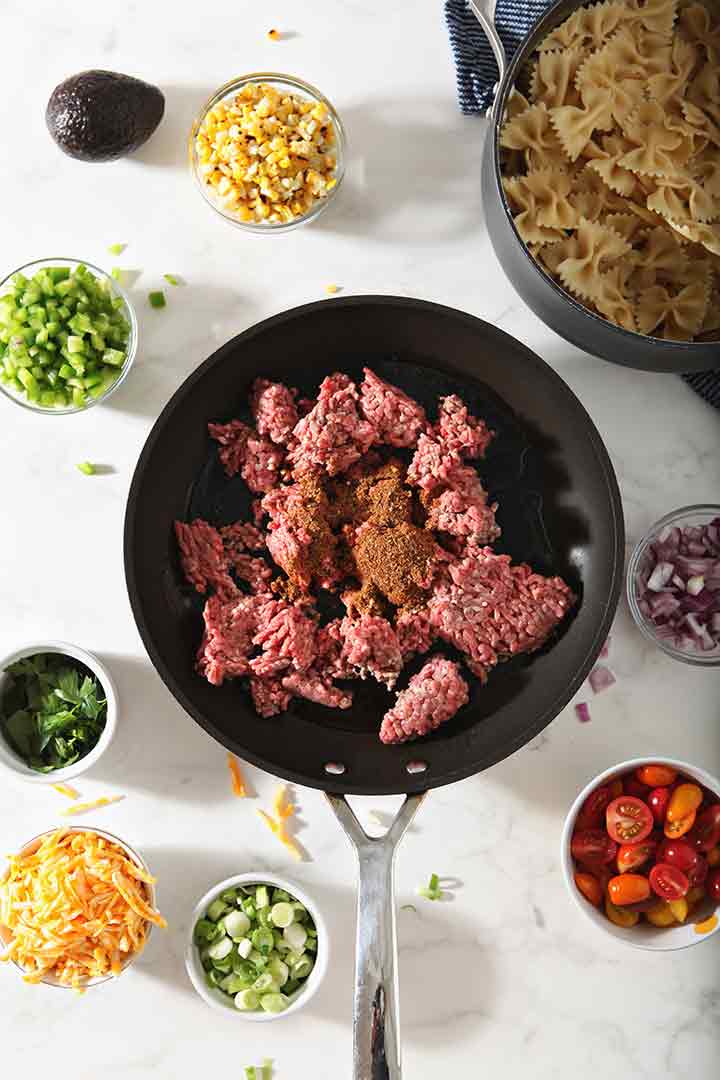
244,948
237,924
279,971
282,914
409,907
267,1068
296,936
157,299
263,940
301,968
172,280
116,249
274,1003
86,467
220,949
216,910
432,891
262,898
247,999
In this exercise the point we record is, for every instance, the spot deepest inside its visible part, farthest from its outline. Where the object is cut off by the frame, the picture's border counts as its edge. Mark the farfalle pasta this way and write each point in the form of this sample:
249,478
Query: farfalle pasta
611,163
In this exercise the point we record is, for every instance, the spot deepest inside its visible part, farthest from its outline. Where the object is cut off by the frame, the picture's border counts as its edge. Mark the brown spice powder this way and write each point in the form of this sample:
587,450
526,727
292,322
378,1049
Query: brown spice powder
397,560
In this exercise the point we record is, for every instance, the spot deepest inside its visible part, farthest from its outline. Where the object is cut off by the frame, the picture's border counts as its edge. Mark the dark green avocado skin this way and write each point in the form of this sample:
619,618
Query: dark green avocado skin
102,115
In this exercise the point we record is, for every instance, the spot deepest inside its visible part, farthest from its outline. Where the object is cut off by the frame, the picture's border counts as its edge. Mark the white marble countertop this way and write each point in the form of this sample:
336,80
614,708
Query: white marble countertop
508,979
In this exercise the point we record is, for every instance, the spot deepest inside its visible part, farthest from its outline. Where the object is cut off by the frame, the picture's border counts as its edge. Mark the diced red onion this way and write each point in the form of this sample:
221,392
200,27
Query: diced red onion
678,587
601,678
582,711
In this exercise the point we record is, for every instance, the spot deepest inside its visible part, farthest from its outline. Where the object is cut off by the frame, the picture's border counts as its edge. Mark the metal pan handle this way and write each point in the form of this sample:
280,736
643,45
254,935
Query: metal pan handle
376,1029
484,12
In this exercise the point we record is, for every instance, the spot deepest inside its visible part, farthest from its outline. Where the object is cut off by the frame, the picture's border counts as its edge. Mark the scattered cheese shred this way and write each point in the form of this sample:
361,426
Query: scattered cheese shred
66,789
278,828
331,289
274,35
83,807
283,809
238,783
74,907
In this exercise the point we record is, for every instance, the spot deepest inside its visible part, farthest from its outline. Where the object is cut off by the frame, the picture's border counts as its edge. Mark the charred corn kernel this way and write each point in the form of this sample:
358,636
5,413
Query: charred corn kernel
661,915
679,908
620,916
268,156
274,35
694,896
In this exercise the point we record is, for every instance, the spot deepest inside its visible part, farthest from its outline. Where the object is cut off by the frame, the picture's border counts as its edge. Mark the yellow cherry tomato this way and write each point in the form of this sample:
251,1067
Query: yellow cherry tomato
620,916
662,915
679,908
684,801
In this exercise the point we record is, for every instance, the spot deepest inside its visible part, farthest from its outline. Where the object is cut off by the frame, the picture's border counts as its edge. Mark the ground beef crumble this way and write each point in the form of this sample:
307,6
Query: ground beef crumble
405,547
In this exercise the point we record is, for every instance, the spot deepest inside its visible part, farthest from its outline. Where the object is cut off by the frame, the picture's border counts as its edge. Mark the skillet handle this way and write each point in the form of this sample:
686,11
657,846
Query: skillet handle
484,12
376,1041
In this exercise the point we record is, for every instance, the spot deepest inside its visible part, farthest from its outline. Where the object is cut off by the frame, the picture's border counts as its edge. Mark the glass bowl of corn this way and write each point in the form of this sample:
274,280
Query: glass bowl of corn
68,336
267,152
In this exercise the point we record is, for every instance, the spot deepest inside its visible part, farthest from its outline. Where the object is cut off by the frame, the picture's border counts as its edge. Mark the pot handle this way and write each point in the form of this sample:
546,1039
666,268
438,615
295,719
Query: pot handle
484,12
376,1041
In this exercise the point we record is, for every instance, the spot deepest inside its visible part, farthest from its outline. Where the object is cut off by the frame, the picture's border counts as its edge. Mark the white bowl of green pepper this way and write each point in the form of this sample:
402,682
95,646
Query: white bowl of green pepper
68,336
258,947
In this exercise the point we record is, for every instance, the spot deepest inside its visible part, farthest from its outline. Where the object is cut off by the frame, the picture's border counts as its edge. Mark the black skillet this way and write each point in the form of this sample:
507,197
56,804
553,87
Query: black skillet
560,510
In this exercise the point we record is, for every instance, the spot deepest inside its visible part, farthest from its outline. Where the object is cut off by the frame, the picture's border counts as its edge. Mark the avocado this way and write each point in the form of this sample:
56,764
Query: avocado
102,115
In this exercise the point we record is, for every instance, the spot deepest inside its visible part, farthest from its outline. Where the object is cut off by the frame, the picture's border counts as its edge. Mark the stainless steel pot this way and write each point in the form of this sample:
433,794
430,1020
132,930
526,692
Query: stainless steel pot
557,308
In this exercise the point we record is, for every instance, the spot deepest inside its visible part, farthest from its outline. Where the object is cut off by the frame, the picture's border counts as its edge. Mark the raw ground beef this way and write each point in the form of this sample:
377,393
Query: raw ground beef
397,419
371,647
404,548
432,697
460,433
257,459
333,435
273,407
203,558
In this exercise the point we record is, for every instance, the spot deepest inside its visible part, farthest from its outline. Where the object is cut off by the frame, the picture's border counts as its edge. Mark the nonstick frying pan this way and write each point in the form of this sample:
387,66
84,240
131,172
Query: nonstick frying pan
559,509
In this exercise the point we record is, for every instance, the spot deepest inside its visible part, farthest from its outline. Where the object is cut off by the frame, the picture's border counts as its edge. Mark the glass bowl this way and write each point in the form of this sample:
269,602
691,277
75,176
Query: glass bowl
701,514
98,980
282,82
31,268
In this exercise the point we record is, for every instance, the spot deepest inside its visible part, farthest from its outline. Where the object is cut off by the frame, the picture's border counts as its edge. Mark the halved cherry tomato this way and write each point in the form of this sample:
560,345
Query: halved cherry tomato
589,886
685,799
630,856
629,820
592,846
592,811
706,831
633,787
658,800
695,895
668,882
656,775
628,889
712,885
682,854
620,916
679,908
674,829
713,857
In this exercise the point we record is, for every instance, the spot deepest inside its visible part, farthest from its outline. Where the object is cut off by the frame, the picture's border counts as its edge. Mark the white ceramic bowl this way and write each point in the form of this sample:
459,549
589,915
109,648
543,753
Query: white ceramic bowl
642,936
27,849
221,1001
12,763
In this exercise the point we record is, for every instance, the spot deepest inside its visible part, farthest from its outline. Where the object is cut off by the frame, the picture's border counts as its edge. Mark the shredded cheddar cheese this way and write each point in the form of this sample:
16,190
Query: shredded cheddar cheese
278,828
75,907
82,808
282,808
238,783
67,790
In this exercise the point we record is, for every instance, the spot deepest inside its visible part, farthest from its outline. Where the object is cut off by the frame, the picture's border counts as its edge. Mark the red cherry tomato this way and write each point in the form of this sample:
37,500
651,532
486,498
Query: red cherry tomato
628,889
633,787
683,855
713,885
589,886
685,800
616,788
706,831
674,829
593,846
629,820
656,775
658,800
668,882
592,811
630,856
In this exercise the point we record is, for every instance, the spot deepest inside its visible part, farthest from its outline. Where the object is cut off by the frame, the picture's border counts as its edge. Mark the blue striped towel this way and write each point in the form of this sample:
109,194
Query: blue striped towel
477,75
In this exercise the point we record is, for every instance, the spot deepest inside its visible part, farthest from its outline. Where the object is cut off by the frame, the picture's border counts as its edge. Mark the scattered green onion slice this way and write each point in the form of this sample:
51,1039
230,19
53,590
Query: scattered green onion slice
157,299
172,279
116,249
246,954
86,467
409,907
432,891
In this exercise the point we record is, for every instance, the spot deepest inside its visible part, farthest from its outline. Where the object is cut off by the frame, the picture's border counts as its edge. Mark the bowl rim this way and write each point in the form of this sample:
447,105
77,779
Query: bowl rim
665,939
151,897
12,764
546,20
231,86
132,345
696,659
220,1001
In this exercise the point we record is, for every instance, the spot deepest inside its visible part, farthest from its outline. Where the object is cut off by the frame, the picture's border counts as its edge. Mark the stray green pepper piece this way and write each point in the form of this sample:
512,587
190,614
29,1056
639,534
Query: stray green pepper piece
116,249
